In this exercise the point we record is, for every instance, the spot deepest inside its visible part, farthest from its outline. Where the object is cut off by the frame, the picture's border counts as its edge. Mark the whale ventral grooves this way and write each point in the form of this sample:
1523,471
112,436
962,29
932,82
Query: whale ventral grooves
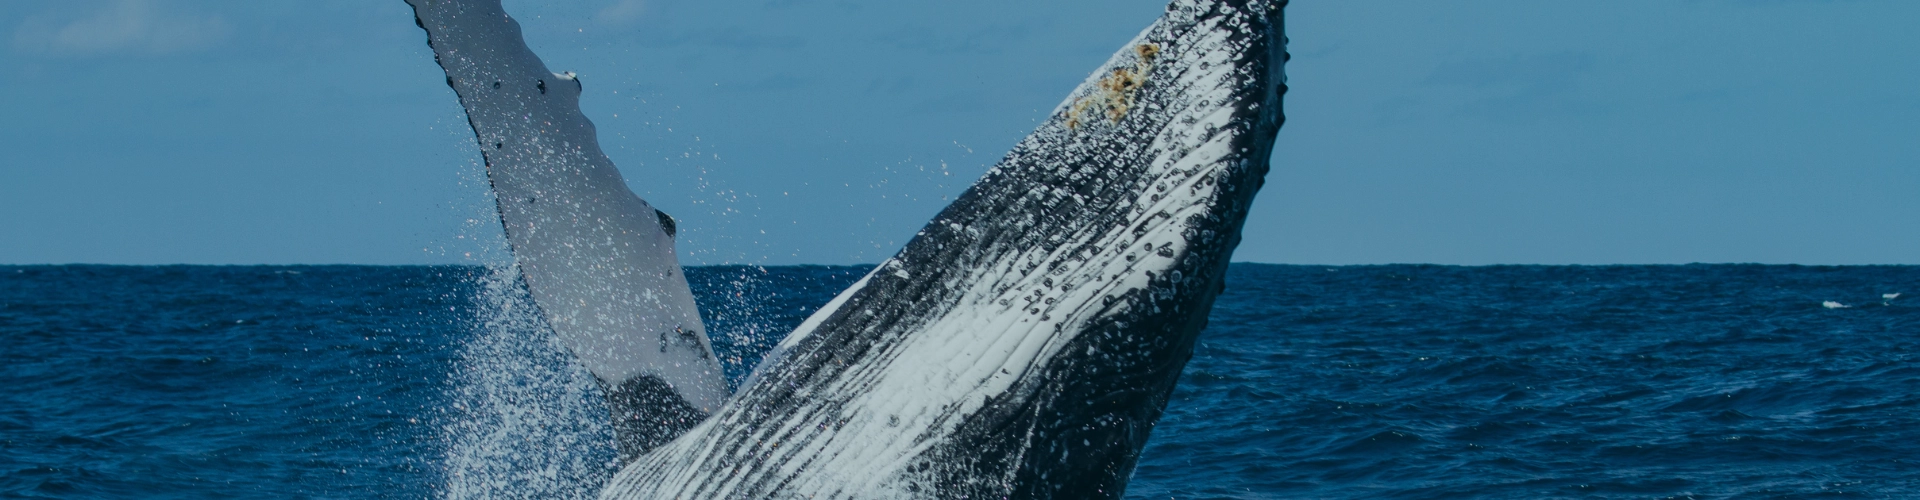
1025,341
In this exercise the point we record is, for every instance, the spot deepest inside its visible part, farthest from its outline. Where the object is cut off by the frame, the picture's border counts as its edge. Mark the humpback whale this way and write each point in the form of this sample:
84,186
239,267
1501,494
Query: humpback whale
598,260
1023,343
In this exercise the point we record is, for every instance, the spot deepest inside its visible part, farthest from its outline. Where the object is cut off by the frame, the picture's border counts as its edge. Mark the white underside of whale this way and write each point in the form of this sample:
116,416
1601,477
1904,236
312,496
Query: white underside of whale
866,427
596,258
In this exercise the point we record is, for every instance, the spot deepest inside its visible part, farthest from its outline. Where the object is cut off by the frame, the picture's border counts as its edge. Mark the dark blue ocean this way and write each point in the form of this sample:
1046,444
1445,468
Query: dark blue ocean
1703,381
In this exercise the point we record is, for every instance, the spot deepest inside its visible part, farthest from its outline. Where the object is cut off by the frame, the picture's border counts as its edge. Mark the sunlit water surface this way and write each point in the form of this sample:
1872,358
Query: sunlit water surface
1320,382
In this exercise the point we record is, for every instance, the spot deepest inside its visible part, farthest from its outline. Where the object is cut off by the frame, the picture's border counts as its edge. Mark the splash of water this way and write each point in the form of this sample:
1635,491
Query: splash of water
526,420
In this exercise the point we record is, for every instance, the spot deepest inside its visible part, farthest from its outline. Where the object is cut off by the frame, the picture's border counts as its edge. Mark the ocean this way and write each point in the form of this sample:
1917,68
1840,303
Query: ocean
1396,381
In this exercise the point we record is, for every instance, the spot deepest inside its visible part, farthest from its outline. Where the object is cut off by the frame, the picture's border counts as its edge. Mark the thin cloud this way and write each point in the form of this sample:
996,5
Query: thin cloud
987,40
122,27
622,12
725,38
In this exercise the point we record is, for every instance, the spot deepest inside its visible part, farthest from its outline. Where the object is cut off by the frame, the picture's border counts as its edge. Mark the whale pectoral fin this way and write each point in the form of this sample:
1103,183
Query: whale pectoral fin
598,260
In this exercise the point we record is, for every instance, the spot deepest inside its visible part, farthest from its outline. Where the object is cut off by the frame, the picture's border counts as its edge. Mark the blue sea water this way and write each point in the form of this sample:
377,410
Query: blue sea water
1702,381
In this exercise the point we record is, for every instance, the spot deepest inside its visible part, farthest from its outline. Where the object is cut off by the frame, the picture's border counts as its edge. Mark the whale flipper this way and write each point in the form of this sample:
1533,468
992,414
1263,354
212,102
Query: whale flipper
598,260
1024,343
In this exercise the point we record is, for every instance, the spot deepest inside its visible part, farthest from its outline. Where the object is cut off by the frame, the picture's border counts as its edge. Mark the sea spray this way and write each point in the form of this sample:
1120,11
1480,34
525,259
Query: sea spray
732,299
526,420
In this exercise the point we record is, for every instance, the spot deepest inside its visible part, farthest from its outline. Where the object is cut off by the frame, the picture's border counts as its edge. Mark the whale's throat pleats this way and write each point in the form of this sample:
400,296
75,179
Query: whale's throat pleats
1025,341
597,259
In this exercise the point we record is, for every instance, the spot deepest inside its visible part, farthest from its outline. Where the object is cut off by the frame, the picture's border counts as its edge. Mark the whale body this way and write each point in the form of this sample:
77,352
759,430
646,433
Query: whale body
1022,344
598,260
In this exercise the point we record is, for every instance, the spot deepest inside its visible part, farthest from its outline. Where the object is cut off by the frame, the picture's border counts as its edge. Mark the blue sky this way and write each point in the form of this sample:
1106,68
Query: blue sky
828,131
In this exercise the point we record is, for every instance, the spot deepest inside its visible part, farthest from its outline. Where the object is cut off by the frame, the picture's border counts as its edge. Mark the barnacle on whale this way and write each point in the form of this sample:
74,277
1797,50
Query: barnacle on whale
1117,91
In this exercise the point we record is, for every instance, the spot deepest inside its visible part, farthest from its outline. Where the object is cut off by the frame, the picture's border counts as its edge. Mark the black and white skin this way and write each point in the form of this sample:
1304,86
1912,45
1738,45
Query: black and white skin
1021,345
1025,341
